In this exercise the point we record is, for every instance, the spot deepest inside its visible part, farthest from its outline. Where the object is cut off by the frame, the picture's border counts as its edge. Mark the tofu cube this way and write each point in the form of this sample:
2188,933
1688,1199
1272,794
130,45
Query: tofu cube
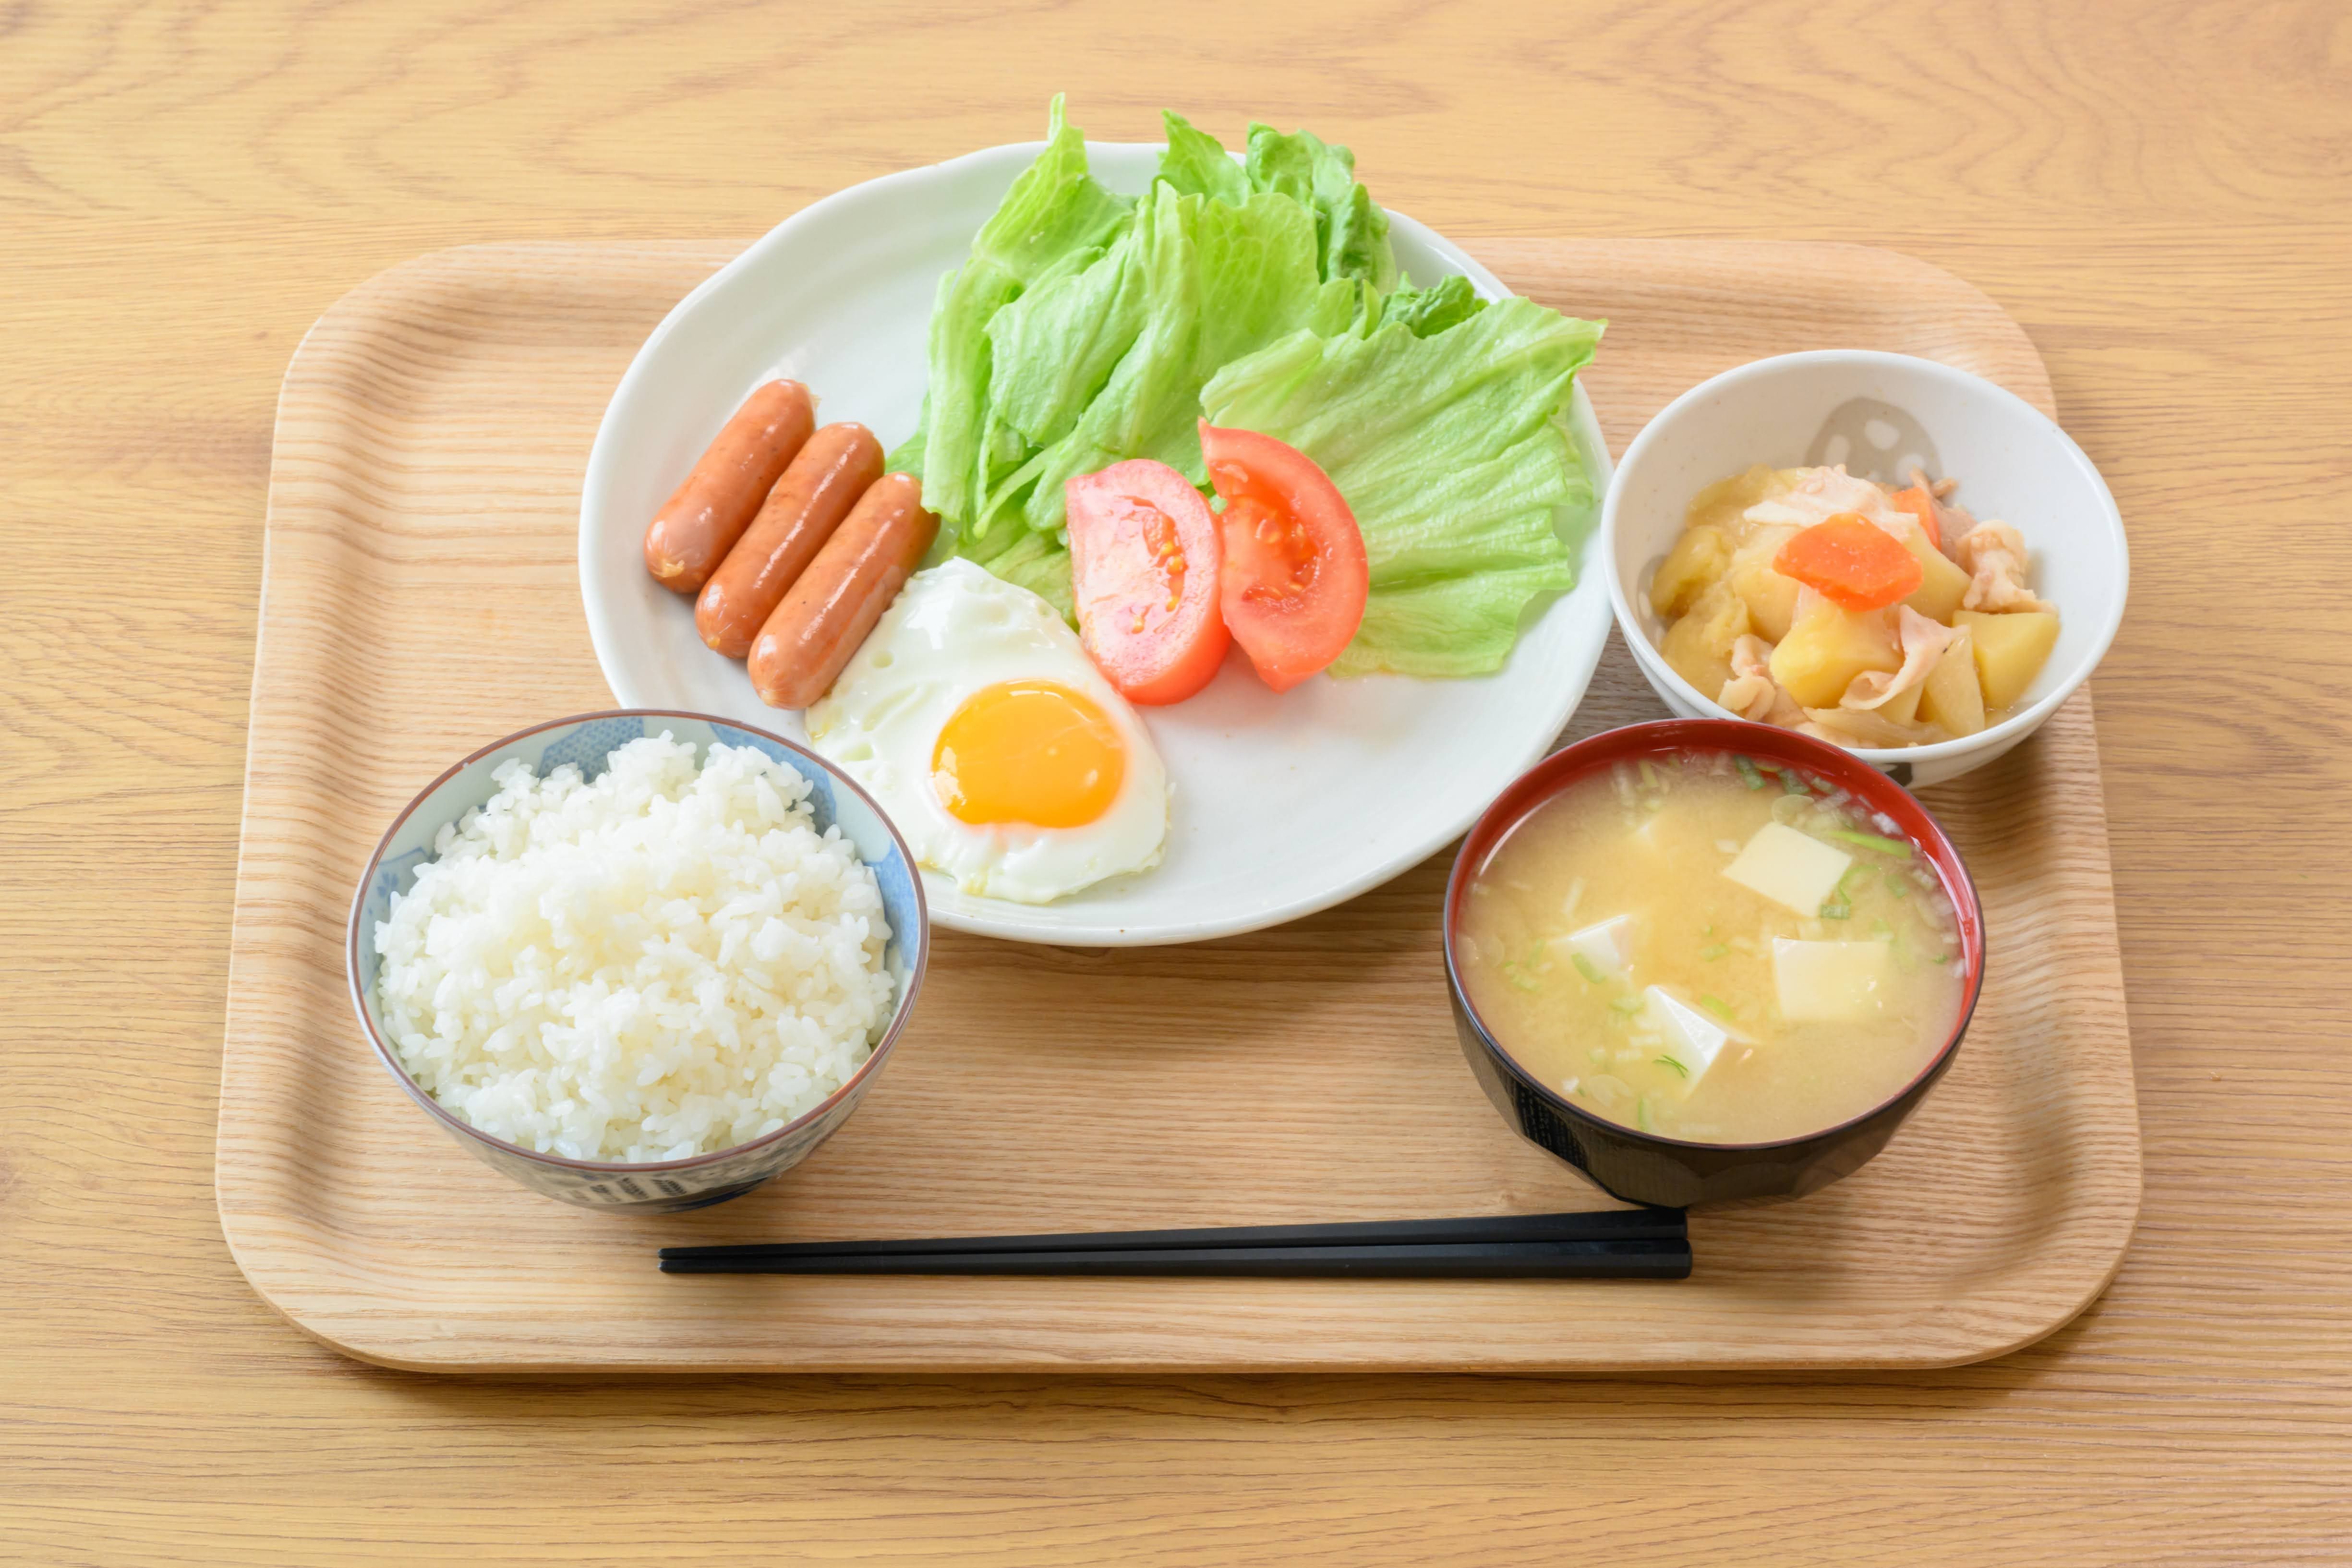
1829,982
1693,1039
1608,946
1790,868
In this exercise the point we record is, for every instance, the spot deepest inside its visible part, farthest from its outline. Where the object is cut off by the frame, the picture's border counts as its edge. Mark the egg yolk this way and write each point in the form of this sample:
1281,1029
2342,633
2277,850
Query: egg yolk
1028,750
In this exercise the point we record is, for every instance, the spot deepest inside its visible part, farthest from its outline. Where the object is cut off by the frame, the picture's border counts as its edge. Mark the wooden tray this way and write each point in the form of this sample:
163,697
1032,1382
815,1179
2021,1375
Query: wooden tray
419,600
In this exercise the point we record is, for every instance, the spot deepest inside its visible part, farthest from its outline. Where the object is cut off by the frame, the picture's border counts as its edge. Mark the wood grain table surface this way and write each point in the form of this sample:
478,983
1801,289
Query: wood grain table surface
2161,193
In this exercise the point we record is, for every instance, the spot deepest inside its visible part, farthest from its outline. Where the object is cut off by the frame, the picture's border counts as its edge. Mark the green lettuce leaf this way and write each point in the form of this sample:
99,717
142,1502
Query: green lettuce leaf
1351,231
1087,329
1451,451
1429,312
1052,350
1083,325
1197,163
1202,283
1449,627
1054,210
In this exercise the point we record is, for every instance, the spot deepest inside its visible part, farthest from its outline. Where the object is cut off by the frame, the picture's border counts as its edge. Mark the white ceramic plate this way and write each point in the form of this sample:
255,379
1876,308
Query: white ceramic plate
1282,805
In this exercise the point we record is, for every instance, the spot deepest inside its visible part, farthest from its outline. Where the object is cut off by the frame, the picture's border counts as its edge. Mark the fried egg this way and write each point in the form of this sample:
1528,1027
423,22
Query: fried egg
1006,759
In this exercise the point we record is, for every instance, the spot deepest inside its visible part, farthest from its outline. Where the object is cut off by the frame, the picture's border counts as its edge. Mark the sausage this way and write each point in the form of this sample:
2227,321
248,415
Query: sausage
844,592
706,515
808,503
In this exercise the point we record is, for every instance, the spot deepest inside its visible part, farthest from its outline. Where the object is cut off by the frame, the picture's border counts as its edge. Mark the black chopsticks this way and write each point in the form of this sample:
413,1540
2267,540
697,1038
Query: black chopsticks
1608,1244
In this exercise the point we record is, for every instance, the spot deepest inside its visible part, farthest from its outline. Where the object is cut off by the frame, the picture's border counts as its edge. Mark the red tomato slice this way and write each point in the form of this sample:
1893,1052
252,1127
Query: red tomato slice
1145,558
1295,579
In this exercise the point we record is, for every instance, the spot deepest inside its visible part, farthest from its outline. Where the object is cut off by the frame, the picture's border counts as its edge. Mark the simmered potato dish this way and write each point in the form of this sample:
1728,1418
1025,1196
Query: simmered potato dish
1822,602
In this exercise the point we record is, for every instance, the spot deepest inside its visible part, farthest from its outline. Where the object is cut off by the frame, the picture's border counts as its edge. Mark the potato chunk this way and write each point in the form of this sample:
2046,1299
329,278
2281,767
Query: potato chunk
1903,708
1724,502
1770,598
1943,584
1697,561
1698,646
2011,648
1951,696
1822,653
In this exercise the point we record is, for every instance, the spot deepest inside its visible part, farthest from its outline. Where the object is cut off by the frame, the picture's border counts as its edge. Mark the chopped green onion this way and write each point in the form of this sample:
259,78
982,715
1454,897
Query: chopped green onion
1641,1114
1590,970
1791,784
1894,847
1748,771
1714,953
1628,1005
1837,910
1522,983
1896,884
1880,928
1719,1006
1670,1062
1707,931
1649,774
1939,958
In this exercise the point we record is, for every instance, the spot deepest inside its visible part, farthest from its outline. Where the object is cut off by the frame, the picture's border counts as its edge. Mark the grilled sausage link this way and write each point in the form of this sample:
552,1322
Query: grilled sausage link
706,514
844,592
837,467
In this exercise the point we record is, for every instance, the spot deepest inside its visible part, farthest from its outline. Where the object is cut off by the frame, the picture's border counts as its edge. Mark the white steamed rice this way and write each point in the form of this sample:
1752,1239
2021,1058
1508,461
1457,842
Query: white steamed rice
662,963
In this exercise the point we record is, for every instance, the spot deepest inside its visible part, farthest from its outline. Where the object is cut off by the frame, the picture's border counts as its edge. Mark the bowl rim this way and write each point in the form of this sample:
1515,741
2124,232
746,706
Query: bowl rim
1548,777
903,1009
1992,739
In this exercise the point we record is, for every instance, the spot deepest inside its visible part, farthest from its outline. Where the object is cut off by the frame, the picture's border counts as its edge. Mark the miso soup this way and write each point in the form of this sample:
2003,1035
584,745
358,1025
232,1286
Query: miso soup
1712,947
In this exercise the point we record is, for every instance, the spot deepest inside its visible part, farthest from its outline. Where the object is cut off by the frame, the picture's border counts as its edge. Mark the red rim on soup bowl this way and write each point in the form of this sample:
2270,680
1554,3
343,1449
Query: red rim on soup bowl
1648,1167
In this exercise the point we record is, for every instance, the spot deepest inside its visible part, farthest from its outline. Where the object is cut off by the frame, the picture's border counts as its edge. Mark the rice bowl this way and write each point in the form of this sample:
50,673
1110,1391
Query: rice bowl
663,961
591,744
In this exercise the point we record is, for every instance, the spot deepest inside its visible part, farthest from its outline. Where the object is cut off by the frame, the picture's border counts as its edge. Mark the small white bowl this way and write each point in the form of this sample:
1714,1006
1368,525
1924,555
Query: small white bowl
1879,414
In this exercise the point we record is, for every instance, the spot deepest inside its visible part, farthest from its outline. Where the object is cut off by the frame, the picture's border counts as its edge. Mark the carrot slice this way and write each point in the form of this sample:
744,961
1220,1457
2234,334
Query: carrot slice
1851,562
1921,505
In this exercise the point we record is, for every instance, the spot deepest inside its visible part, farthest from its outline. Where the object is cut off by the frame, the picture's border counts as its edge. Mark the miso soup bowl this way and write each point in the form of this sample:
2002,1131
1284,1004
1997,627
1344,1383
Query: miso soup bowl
1645,1167
588,739
1880,414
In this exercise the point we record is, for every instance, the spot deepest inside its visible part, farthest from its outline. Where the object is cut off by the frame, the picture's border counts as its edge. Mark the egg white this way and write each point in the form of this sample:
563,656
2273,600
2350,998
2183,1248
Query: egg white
951,631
